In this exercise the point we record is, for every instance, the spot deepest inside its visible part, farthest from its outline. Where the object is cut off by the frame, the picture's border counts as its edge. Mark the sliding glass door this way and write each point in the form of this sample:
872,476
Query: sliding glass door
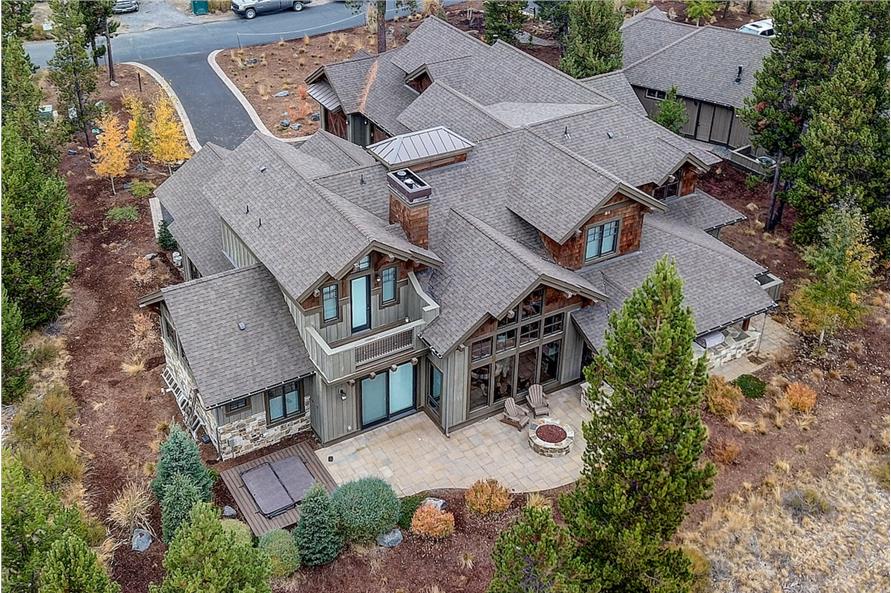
389,394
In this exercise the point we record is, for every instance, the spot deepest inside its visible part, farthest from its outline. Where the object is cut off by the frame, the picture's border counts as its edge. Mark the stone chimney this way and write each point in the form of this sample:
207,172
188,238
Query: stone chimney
410,205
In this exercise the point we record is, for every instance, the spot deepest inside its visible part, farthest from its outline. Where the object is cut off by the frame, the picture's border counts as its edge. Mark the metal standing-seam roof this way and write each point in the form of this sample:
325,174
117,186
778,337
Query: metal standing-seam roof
414,147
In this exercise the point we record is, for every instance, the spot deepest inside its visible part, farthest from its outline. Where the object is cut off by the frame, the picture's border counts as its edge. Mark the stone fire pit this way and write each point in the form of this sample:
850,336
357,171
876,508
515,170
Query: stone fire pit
550,438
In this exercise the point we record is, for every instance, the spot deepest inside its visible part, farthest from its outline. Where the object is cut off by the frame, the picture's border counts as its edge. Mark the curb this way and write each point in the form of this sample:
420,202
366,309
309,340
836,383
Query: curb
239,96
180,110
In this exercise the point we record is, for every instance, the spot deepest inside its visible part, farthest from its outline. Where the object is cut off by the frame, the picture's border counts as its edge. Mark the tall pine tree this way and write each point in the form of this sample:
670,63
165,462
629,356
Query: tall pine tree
642,463
594,43
502,21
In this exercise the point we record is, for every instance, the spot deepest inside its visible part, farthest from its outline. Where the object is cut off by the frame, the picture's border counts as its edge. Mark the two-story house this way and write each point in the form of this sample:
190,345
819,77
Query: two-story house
474,249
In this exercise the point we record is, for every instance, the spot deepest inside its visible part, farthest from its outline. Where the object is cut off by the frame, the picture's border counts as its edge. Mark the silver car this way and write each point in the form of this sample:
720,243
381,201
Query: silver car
251,8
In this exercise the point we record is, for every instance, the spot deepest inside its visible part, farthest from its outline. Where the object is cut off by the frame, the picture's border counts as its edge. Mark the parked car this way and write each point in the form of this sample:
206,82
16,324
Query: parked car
122,6
251,8
763,28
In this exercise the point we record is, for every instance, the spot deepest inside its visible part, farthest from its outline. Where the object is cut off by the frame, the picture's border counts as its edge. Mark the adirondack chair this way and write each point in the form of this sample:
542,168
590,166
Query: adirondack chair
537,401
514,414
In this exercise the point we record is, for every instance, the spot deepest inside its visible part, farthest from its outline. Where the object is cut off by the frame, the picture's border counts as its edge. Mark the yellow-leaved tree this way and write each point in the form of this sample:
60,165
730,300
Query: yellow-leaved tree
138,133
168,143
112,149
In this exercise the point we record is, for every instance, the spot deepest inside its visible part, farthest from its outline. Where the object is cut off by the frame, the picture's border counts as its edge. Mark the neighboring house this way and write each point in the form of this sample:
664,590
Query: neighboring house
475,250
713,69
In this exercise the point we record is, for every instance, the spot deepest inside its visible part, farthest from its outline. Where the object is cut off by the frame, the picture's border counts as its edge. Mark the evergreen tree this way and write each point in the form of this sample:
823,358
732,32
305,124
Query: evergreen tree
535,554
16,374
556,13
180,455
842,268
94,15
502,21
112,150
165,237
168,139
205,557
642,462
16,15
72,567
672,112
701,11
36,233
180,495
594,43
70,69
316,533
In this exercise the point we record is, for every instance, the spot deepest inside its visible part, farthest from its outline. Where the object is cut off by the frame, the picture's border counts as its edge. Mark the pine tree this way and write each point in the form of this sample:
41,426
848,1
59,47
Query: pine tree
556,13
16,374
842,268
535,554
502,21
672,112
94,15
701,11
316,533
36,233
17,17
594,43
166,241
180,455
642,462
72,567
180,495
168,140
138,134
205,557
112,150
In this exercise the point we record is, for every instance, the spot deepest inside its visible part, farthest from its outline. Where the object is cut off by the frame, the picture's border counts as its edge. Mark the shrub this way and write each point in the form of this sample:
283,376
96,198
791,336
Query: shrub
43,354
726,451
753,182
165,237
536,500
238,530
180,455
72,566
487,496
722,398
801,397
122,214
407,507
41,437
131,507
806,502
204,557
16,374
701,570
751,386
282,551
180,495
316,533
428,521
365,508
142,189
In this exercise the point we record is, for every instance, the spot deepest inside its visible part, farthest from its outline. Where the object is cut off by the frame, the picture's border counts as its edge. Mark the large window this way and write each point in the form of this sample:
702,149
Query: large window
601,240
330,304
654,94
387,394
169,332
283,402
389,294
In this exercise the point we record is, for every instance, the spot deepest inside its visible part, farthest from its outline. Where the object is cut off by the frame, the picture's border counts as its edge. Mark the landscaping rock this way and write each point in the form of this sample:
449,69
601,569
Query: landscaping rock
229,512
71,152
391,539
141,541
141,168
296,126
251,61
150,256
284,123
282,94
315,116
439,503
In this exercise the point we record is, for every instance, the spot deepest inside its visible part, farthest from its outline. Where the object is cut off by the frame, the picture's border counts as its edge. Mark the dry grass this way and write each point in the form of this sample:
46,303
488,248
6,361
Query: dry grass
466,560
722,398
802,398
756,544
726,451
133,367
535,500
142,270
131,507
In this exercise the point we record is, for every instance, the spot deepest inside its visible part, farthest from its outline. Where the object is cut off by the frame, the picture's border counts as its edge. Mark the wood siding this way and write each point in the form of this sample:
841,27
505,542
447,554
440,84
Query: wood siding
235,249
414,220
454,391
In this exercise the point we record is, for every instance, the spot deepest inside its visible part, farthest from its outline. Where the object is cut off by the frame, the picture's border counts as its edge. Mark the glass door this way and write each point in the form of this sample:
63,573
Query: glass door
402,388
374,399
360,303
389,394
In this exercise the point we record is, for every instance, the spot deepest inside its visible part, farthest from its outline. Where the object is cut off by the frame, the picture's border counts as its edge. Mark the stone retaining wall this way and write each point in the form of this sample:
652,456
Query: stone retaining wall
251,433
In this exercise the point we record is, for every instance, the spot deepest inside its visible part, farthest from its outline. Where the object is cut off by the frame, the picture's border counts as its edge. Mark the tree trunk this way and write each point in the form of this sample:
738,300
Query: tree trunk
726,8
108,57
113,192
93,52
771,212
381,26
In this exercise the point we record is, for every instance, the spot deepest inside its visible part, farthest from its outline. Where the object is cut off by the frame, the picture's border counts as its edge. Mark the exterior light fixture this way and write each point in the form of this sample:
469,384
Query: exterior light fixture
393,367
316,292
351,382
342,395
372,375
414,361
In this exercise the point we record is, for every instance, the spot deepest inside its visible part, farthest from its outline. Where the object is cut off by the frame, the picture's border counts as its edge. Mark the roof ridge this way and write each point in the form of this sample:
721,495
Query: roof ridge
667,225
449,26
662,49
489,231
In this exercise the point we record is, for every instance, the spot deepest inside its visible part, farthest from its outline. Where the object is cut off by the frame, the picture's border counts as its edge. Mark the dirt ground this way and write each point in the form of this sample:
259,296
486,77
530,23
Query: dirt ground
119,410
736,15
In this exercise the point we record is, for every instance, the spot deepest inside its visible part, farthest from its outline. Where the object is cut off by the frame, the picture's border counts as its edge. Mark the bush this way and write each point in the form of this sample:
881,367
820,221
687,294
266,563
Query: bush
165,237
180,495
751,386
142,189
806,502
16,374
726,451
407,507
41,437
801,397
131,508
487,496
122,214
722,398
281,548
72,566
701,570
239,531
180,455
428,521
365,508
316,533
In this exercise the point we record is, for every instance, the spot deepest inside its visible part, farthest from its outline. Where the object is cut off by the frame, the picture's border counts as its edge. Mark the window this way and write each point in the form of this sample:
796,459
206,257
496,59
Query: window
479,387
434,388
553,324
529,332
504,378
388,285
481,349
668,190
509,318
330,305
601,240
364,263
506,340
169,331
532,304
238,404
194,274
654,94
283,402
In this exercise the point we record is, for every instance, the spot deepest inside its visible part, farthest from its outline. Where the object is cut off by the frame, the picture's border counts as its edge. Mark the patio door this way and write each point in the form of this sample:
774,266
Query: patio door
360,303
387,395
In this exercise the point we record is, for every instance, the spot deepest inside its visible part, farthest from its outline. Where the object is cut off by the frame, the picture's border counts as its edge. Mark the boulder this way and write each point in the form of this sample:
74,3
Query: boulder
439,503
282,94
229,512
284,123
141,540
315,116
296,126
150,256
391,539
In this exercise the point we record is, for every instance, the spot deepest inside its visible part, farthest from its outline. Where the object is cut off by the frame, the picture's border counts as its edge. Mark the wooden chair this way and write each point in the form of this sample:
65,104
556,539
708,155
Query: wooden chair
514,414
537,401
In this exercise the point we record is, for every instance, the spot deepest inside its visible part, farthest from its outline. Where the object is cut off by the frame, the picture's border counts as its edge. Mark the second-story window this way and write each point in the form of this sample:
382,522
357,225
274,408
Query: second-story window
330,307
601,240
388,285
670,189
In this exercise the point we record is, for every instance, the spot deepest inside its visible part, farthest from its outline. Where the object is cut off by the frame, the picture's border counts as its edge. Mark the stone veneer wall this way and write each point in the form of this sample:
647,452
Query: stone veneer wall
733,348
251,433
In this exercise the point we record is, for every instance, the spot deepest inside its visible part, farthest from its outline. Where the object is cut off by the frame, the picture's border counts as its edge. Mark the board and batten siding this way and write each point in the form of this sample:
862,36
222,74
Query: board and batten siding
235,249
454,379
571,358
333,416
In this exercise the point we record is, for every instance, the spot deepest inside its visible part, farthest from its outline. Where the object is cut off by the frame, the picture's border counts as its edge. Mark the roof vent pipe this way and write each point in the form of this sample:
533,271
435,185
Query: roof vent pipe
738,74
263,168
566,135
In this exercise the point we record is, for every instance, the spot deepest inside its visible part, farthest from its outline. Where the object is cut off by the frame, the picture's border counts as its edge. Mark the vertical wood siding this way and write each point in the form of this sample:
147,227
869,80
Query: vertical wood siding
235,249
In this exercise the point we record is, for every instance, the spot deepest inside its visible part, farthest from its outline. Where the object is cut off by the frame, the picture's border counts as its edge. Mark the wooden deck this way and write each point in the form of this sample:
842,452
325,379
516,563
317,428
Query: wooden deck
258,522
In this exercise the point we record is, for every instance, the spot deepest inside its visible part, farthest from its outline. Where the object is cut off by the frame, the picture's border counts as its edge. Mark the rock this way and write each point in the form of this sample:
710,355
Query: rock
150,256
71,152
282,94
315,116
127,185
251,61
284,123
113,83
296,126
391,539
141,168
439,503
177,258
229,512
141,541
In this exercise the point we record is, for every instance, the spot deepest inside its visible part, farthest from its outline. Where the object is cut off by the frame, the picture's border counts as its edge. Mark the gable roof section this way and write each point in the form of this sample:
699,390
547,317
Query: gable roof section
440,104
339,154
648,32
616,86
702,211
345,78
323,93
487,272
407,149
428,42
226,361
